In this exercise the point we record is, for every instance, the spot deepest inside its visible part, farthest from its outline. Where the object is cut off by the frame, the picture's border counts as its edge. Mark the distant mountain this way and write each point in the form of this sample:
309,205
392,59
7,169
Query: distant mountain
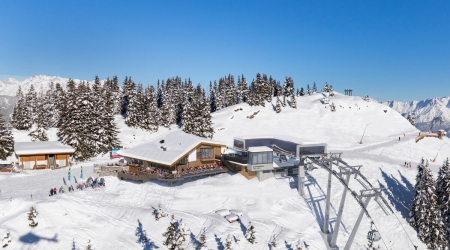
9,86
7,105
424,111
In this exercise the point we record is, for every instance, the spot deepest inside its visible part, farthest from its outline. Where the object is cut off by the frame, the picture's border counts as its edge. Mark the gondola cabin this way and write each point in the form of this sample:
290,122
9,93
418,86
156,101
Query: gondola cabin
42,155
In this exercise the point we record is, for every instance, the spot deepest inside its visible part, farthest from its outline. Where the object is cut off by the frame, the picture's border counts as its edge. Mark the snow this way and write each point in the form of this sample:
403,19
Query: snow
111,217
260,149
177,144
41,147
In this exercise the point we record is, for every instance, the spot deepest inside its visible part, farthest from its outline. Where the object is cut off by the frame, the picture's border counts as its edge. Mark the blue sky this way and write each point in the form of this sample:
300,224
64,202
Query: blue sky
390,50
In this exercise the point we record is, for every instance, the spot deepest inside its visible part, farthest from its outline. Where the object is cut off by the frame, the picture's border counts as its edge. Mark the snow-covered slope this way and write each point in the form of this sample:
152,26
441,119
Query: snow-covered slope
313,121
424,111
116,217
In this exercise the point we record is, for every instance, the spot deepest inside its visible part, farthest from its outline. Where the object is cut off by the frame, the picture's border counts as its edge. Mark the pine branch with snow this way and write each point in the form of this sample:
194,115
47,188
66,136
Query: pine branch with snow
6,140
425,215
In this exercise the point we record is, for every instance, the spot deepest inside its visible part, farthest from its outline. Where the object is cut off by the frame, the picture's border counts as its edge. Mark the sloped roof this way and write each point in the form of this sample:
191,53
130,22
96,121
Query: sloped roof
177,143
41,147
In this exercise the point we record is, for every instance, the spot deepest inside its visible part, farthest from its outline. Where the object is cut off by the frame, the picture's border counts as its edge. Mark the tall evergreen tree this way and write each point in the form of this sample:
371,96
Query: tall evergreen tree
212,98
6,140
410,118
151,109
425,215
134,104
31,103
204,124
189,111
443,195
302,93
21,117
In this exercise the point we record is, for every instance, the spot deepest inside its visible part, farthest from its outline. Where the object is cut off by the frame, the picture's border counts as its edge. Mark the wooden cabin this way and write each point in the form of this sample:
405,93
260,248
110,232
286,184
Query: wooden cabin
42,154
173,151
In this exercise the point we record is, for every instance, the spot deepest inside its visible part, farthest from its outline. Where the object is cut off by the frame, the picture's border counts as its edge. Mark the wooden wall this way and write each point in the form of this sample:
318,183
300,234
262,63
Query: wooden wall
35,158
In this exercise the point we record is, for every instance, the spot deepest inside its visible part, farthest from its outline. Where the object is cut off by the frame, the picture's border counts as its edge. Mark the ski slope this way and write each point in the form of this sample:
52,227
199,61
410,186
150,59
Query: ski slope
115,216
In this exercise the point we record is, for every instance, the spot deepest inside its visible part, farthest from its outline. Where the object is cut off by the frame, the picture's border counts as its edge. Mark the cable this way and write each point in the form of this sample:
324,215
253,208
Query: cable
404,230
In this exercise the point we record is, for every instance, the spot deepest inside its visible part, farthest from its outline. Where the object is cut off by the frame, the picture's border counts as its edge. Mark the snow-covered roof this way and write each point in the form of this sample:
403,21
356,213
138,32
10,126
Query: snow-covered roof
280,137
42,147
260,149
177,143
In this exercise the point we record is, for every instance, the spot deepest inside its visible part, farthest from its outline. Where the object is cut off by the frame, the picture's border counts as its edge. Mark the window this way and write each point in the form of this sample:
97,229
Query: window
206,153
260,157
312,150
238,144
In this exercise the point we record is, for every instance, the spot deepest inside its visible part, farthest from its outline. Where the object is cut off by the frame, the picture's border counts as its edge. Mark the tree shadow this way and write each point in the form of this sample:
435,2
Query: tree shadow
288,246
243,228
74,247
194,240
220,245
399,192
31,238
145,242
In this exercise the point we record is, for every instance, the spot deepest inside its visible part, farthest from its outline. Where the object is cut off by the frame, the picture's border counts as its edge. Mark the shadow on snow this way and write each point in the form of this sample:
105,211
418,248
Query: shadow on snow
399,192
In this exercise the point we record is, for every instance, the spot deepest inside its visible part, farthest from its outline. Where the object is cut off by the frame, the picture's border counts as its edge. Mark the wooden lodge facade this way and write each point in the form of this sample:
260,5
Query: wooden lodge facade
42,155
174,151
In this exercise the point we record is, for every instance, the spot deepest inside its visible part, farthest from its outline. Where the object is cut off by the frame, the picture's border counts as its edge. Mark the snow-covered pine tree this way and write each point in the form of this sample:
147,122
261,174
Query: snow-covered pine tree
298,246
250,233
163,111
228,243
170,105
278,106
326,88
230,91
443,194
425,215
293,102
261,90
151,108
38,134
308,90
46,107
6,140
132,113
202,240
175,235
410,118
97,116
128,86
266,89
189,112
273,242
159,213
218,90
31,103
21,117
314,89
302,92
89,246
109,138
212,98
243,89
203,119
31,216
59,105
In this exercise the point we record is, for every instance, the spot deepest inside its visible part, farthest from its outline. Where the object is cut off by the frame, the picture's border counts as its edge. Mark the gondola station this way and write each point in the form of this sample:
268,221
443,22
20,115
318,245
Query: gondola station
42,155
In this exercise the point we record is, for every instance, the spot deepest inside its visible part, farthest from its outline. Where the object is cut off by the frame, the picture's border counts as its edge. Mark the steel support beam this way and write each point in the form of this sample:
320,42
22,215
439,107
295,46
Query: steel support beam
326,220
340,212
358,222
301,180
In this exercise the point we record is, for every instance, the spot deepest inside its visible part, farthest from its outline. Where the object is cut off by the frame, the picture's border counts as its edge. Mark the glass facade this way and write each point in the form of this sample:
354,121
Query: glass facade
238,144
315,150
206,153
260,157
